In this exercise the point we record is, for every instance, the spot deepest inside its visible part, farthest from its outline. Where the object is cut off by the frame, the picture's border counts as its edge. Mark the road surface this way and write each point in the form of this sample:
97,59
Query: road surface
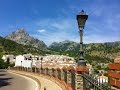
10,81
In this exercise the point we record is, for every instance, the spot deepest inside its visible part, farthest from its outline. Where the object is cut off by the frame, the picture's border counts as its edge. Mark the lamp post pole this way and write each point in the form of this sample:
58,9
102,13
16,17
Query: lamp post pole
21,65
81,19
41,63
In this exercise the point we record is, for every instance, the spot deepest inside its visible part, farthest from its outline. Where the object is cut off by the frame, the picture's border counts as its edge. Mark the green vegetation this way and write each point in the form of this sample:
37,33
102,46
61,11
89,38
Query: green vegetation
94,52
4,65
11,47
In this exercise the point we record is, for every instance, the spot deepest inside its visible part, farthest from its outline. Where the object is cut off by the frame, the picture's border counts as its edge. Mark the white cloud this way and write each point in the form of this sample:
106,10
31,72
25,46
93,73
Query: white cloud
101,26
57,30
99,39
41,30
66,29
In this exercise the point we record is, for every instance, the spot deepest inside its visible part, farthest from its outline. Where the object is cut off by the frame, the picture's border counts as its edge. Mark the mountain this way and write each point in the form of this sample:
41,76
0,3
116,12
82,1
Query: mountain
10,47
94,52
22,37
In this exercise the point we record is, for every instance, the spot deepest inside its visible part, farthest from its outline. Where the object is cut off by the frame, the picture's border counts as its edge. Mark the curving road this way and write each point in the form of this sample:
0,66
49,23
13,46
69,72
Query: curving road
9,81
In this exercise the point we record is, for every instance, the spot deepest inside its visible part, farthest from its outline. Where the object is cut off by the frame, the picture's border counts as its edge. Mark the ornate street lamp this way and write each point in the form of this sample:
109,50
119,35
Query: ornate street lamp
21,63
41,62
81,19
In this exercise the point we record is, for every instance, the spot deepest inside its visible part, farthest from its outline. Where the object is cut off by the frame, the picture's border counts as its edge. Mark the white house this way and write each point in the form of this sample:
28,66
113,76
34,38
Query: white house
23,61
102,79
9,58
55,61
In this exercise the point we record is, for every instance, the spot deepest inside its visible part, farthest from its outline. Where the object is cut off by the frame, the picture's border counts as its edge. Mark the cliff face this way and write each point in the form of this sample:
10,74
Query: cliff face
22,37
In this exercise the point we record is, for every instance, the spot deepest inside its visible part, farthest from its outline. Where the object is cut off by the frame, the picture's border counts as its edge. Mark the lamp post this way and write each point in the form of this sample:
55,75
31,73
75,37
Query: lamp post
81,19
41,63
21,65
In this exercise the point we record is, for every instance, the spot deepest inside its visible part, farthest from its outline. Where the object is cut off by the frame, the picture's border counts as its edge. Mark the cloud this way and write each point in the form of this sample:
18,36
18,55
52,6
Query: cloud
66,29
99,39
41,30
57,30
102,24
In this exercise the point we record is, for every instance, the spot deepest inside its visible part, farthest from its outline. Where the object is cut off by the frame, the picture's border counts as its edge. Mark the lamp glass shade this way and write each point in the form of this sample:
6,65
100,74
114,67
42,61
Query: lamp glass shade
81,19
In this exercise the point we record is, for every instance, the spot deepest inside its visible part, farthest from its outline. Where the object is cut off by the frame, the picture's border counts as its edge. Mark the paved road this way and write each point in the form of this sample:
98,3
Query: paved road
45,81
9,81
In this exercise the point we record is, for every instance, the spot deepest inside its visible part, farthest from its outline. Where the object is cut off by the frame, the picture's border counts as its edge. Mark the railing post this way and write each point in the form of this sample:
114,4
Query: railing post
23,69
35,69
53,74
56,73
78,78
62,74
78,81
44,71
65,74
59,73
47,73
69,80
73,73
50,72
26,69
32,69
40,70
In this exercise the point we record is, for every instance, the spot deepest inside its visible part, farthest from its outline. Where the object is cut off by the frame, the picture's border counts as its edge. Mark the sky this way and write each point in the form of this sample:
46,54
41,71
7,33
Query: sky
55,20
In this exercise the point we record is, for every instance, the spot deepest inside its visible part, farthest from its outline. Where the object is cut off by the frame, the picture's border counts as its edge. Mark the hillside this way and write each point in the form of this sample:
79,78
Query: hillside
11,47
22,37
20,42
94,52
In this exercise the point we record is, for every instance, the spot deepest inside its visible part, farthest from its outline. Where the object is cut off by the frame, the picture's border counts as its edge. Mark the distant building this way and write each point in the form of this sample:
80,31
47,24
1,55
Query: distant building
35,60
50,61
102,79
55,61
114,73
9,58
23,61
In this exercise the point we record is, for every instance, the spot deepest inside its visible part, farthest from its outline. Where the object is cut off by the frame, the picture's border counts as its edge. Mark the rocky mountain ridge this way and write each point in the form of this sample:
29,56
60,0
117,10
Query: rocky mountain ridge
98,52
22,37
106,51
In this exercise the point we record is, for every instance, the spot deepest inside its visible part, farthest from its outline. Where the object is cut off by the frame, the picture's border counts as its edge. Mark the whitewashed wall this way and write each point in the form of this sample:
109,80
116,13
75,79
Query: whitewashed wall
25,63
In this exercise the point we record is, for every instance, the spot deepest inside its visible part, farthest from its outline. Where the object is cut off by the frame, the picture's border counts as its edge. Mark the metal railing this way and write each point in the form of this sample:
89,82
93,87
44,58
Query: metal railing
78,81
94,83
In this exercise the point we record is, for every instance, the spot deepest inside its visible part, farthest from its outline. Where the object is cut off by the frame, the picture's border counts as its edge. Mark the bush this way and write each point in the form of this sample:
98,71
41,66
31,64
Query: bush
4,65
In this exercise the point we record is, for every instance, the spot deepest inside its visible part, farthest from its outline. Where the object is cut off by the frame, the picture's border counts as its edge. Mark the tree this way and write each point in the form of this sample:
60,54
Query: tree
2,64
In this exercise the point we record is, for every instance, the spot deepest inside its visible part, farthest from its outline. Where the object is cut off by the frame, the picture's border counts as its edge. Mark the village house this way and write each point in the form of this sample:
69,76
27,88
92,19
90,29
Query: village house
23,61
9,58
50,61
55,61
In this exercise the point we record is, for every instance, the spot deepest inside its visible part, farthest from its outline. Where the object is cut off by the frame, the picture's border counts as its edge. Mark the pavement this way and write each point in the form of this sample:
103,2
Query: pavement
11,81
45,82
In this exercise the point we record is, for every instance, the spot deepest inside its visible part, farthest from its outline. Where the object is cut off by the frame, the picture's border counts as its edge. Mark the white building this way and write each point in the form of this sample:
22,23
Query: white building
9,58
24,61
102,79
51,61
56,61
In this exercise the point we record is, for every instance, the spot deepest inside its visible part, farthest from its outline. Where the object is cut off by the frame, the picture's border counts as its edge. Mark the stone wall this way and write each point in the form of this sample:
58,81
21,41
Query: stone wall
70,76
